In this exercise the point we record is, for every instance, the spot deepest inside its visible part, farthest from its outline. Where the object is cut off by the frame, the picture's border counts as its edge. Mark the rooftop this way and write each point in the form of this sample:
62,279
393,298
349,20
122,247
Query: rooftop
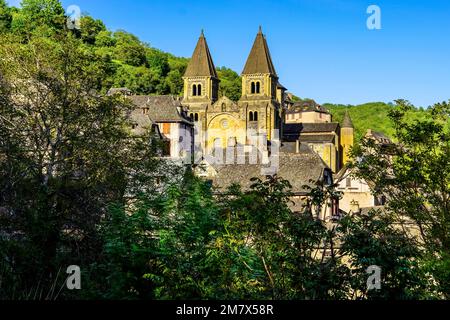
307,105
300,169
159,108
259,59
201,63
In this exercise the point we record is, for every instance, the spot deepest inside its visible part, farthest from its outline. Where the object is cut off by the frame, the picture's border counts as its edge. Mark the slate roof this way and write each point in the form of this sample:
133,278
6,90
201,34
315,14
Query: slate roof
280,86
322,138
297,168
141,121
294,130
201,63
259,59
380,137
291,147
306,106
160,108
341,173
123,90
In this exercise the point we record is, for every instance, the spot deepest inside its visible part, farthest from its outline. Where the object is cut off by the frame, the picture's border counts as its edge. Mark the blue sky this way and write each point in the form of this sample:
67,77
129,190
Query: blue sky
321,49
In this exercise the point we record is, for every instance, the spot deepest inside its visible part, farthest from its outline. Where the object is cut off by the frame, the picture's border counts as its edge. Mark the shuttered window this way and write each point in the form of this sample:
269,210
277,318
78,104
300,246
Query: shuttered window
166,128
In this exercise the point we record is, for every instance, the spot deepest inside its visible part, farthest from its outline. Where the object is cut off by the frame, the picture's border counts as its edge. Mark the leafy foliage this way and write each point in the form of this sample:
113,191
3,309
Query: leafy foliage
418,179
372,115
64,154
373,239
230,83
77,188
5,17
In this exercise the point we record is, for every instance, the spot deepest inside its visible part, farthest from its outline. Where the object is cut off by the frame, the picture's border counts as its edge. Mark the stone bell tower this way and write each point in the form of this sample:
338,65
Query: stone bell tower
201,83
259,98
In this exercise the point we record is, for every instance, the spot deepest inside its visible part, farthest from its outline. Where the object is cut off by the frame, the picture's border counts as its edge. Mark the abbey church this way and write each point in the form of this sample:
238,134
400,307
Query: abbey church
223,121
263,109
311,147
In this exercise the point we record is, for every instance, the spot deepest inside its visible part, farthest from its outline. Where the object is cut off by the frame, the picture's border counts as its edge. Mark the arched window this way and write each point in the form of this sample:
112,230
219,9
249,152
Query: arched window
199,90
224,108
255,116
253,88
191,116
196,117
258,87
250,116
194,90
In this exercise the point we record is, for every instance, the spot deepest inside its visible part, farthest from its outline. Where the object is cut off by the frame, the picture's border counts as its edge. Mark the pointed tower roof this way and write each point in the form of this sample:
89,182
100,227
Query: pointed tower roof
347,122
259,59
201,63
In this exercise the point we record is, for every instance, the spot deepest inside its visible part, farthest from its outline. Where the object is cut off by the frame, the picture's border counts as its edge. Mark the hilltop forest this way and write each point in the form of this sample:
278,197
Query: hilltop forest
77,188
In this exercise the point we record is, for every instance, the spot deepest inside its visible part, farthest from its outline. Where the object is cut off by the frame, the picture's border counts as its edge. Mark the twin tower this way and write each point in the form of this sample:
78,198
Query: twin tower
224,122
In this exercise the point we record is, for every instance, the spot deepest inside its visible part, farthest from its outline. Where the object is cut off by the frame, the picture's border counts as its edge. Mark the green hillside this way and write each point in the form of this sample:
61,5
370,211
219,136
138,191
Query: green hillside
373,115
132,63
365,116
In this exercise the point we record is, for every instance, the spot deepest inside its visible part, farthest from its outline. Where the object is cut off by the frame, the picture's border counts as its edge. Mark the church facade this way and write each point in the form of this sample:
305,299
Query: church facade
223,123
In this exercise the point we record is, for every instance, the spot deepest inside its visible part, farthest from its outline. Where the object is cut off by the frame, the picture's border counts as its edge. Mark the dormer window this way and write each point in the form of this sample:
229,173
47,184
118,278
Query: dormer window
145,110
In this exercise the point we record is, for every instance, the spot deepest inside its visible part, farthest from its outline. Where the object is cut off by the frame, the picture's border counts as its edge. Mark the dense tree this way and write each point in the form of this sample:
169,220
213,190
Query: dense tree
90,29
139,80
230,83
174,82
5,17
129,49
418,179
105,38
41,16
374,239
65,154
158,62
